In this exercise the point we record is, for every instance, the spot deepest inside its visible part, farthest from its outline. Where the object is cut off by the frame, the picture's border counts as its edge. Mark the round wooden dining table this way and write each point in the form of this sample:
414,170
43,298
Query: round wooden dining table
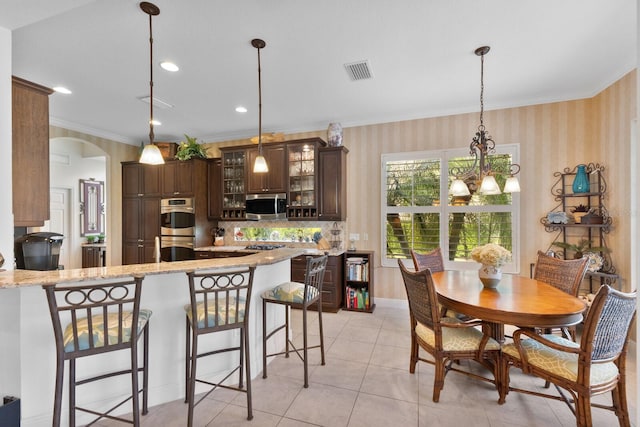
516,300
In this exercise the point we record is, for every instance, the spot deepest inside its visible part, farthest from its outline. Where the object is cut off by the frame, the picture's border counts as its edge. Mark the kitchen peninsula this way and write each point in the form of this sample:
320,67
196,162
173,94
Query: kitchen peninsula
28,352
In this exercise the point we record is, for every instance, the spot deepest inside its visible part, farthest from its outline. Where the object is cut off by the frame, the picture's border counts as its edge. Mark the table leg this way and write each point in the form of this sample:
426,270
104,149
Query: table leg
497,331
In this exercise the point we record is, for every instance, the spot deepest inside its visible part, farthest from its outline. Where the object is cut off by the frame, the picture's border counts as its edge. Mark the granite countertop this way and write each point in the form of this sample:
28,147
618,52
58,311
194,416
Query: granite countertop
308,251
22,278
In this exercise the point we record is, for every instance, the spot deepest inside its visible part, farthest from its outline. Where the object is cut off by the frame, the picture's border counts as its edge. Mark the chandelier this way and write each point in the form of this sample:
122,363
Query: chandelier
481,173
151,153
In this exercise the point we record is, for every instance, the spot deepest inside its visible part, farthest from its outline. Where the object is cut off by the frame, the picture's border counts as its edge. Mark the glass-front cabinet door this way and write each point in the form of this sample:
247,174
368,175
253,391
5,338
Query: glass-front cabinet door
301,158
233,184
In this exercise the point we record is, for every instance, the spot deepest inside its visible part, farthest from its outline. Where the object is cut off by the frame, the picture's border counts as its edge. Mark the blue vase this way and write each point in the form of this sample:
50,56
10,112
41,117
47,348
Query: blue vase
581,181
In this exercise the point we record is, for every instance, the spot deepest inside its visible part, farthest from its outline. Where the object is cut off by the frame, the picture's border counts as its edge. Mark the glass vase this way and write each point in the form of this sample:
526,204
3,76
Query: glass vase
581,180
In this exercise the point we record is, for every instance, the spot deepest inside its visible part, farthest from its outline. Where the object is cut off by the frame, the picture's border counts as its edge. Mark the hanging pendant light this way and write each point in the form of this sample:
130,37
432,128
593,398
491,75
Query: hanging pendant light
151,153
482,144
260,165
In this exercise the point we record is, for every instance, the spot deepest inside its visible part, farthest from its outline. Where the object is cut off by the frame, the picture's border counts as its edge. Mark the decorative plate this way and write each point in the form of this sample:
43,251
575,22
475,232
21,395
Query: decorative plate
595,261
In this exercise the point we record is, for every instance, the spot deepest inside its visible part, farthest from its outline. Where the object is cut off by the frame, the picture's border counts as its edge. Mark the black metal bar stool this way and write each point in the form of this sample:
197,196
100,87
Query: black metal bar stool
301,296
219,302
100,318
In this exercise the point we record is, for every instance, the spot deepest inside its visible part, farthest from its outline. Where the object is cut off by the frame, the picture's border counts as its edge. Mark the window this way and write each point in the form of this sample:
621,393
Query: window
419,214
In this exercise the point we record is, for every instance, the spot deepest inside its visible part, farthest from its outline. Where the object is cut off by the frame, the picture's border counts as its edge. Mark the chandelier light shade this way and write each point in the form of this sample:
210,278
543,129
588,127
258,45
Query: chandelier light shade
481,174
151,153
260,164
459,188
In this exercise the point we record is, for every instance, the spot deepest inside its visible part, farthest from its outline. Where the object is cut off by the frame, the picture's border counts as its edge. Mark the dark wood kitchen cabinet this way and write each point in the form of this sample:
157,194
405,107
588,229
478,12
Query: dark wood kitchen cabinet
274,181
332,175
181,178
94,256
30,153
140,226
140,180
332,283
141,191
214,184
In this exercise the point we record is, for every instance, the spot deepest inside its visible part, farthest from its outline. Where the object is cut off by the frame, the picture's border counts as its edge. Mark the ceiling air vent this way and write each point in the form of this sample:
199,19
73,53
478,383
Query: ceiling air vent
156,102
359,70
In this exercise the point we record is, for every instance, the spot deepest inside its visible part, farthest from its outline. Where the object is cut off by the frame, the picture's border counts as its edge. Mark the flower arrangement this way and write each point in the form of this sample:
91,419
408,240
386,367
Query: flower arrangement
491,254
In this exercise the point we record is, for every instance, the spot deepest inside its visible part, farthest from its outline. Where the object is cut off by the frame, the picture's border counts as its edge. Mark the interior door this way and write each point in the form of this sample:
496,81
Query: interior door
60,222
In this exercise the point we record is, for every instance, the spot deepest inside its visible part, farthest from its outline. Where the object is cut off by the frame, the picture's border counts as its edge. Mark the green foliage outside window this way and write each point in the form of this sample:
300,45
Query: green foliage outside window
414,211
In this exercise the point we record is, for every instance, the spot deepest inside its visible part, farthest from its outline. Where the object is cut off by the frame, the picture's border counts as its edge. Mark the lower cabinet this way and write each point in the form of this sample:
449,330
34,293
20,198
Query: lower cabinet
332,284
94,256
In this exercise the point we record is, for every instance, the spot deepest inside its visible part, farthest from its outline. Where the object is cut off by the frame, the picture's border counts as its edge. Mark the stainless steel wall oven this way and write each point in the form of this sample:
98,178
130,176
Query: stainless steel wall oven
177,229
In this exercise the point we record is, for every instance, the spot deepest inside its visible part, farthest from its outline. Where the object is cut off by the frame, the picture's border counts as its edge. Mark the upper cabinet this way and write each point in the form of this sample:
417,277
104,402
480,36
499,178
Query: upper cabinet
233,183
332,174
312,175
214,182
274,181
30,153
302,166
179,177
140,180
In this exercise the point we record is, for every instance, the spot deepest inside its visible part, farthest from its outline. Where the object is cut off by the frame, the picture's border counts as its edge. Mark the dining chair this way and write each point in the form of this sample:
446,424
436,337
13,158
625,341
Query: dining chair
99,318
301,296
446,339
433,261
219,303
594,366
565,275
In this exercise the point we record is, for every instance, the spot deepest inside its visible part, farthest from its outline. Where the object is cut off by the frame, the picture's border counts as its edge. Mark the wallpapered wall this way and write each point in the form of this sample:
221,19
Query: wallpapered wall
551,137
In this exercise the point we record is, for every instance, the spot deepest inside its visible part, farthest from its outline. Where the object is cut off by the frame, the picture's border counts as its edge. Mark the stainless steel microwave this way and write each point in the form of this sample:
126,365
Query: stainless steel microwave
266,206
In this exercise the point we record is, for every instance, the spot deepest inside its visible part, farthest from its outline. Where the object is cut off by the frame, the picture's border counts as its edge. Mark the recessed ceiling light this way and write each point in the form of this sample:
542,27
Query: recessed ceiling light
62,89
241,109
156,122
169,66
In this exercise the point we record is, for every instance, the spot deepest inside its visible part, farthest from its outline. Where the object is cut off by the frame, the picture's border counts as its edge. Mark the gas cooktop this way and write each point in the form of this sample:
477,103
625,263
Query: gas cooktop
265,247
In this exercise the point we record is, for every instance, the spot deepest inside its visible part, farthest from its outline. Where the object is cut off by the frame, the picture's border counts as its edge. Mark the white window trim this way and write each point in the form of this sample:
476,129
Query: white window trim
444,155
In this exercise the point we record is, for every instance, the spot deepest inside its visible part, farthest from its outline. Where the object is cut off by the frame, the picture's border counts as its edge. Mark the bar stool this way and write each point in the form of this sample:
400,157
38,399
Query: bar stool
88,308
219,302
301,296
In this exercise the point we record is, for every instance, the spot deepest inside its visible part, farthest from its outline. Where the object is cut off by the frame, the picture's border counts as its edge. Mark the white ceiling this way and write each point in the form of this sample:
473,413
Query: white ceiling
420,53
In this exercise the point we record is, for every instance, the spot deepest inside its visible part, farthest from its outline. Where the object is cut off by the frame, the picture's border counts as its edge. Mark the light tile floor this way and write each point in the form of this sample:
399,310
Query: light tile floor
366,382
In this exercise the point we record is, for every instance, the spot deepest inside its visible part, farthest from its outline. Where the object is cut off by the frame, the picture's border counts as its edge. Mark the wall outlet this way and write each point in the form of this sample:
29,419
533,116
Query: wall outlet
366,236
354,236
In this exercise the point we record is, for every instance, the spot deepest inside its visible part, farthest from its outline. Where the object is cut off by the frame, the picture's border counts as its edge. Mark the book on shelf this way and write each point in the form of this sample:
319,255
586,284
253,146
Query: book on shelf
358,271
357,298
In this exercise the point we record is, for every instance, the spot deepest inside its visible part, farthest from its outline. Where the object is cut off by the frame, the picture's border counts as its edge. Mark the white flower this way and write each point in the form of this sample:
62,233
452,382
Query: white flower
491,254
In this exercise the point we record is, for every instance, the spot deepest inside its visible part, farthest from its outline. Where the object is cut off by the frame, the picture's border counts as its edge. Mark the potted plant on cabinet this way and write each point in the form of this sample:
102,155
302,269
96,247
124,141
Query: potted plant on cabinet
190,149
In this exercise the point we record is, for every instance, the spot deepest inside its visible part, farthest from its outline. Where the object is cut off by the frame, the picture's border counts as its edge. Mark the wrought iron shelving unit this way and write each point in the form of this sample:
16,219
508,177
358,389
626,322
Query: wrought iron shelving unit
597,227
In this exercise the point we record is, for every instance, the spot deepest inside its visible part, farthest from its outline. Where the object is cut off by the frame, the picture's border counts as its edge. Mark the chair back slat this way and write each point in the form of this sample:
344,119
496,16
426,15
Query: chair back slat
432,260
421,295
220,300
607,323
565,275
89,307
314,276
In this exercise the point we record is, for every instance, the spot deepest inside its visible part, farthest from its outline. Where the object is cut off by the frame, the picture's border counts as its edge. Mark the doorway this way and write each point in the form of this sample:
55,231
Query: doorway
60,222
